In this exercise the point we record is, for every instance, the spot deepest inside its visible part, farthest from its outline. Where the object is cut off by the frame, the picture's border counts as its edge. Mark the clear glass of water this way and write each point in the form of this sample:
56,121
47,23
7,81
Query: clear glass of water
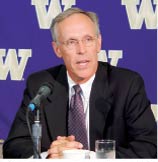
105,149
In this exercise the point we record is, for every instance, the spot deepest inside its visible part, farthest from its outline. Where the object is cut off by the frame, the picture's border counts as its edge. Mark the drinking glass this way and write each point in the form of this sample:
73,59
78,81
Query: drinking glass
105,149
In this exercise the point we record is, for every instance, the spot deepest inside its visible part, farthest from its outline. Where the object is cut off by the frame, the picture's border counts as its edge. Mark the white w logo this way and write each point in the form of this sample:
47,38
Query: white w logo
45,17
11,63
146,12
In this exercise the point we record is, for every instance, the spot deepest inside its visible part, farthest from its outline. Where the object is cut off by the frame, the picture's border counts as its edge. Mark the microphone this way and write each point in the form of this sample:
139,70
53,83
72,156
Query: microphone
44,91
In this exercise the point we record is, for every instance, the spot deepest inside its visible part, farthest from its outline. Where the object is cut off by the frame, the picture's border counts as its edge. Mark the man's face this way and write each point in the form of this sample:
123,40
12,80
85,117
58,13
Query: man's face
78,46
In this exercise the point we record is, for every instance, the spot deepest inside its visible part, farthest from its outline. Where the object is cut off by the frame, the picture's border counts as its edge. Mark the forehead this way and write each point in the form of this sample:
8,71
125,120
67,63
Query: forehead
76,25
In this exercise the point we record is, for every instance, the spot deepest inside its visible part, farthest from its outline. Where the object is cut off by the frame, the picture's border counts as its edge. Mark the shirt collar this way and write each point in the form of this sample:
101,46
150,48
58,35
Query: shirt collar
86,87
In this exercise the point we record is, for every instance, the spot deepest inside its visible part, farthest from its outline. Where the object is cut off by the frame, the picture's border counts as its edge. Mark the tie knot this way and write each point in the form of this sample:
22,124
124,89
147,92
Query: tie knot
77,88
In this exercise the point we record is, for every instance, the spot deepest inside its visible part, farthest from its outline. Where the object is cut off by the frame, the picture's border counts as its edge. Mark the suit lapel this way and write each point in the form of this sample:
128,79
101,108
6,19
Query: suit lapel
56,110
100,104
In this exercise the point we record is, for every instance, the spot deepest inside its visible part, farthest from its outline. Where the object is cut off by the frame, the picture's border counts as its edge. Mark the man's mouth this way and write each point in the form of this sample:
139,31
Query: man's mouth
83,62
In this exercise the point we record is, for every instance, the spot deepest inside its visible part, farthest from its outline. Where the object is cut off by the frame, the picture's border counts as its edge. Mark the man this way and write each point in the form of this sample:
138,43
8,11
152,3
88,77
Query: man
115,103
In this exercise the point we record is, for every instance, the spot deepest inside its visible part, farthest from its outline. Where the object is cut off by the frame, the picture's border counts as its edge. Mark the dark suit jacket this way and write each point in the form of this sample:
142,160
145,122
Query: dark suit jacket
119,110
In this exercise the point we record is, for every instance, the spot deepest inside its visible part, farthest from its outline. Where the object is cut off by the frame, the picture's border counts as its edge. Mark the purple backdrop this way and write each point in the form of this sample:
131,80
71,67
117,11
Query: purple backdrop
25,43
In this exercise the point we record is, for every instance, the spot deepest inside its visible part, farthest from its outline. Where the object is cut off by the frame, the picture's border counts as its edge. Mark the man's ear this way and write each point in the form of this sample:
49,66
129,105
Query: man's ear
99,43
56,49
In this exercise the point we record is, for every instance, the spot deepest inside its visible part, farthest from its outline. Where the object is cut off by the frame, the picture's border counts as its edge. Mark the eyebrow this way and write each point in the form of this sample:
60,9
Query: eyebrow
71,38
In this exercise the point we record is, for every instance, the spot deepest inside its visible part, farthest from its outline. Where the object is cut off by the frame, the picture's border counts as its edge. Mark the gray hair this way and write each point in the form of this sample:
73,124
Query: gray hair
69,12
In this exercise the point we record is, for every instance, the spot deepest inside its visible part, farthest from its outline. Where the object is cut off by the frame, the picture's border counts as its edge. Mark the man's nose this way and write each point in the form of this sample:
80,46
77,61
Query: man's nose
81,47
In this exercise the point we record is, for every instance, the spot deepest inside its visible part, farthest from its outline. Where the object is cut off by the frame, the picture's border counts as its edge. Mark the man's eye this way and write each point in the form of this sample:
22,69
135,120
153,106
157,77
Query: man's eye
89,39
71,42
